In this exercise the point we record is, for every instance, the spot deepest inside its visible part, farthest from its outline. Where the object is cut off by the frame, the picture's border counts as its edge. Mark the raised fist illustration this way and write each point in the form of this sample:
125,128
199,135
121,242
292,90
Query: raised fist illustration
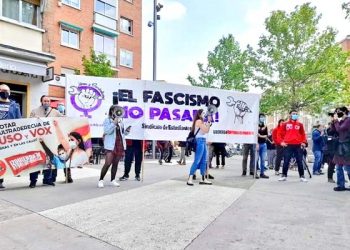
87,98
241,108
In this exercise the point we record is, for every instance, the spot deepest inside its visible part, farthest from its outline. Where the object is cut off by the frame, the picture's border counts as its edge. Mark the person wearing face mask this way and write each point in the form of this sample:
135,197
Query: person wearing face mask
44,110
114,143
341,124
78,155
317,145
58,160
61,108
279,149
293,139
8,110
262,137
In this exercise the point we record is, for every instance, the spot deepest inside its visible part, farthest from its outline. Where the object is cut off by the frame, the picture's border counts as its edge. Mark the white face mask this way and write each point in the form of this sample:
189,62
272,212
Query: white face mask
62,156
72,144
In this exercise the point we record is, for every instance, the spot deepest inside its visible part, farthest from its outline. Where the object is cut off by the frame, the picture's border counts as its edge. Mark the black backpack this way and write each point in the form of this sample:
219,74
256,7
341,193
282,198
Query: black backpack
191,142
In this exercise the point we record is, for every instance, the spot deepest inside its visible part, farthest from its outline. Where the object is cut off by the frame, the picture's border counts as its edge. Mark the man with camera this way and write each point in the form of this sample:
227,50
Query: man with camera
293,139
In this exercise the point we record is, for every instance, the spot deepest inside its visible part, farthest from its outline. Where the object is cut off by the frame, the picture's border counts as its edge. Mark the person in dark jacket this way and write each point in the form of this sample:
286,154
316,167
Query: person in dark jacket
317,145
279,148
330,140
271,151
8,110
341,124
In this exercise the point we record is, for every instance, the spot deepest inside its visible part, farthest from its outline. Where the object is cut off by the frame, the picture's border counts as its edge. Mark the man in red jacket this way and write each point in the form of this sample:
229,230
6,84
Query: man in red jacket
279,148
293,139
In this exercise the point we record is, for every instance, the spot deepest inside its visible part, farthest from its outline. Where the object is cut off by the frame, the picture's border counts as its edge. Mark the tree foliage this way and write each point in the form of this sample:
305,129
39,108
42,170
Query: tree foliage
97,65
227,68
346,7
298,66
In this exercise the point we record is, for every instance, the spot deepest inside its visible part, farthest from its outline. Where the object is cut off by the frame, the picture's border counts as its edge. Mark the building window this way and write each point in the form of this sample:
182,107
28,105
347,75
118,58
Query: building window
106,45
67,71
73,3
126,58
69,37
25,11
126,25
106,7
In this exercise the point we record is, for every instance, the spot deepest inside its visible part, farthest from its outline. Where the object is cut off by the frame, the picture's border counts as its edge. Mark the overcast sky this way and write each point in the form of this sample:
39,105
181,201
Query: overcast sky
188,29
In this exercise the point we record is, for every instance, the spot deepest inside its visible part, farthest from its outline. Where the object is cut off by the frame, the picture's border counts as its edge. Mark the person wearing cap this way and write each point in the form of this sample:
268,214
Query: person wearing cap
8,110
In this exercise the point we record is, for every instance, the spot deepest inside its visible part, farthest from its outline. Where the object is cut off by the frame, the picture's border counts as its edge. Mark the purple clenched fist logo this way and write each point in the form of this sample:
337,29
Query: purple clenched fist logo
86,97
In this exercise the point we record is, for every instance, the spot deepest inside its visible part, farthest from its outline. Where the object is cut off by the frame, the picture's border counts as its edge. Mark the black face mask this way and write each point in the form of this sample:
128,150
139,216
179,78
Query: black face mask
340,114
4,95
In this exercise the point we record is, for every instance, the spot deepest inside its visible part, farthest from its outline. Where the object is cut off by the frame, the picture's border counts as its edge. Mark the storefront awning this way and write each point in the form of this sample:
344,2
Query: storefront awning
23,66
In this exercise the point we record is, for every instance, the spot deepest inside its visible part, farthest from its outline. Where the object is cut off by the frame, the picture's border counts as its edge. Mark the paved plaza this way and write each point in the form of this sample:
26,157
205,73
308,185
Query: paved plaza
162,212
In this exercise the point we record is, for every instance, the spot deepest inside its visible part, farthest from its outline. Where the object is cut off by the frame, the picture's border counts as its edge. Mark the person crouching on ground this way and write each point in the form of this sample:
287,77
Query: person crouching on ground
201,148
114,144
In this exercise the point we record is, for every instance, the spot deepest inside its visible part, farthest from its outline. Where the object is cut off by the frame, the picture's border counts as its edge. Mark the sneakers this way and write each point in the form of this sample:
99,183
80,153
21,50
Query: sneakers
205,182
115,183
303,179
50,183
263,176
277,173
209,176
137,178
100,184
283,178
179,162
160,162
339,189
2,186
223,166
244,173
194,177
32,184
123,178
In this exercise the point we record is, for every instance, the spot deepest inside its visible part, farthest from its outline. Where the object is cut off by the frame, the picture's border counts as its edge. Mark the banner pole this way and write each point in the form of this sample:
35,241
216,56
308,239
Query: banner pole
143,160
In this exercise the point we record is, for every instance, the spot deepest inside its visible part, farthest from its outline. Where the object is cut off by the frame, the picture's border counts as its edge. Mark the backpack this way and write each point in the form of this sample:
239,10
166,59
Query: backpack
191,141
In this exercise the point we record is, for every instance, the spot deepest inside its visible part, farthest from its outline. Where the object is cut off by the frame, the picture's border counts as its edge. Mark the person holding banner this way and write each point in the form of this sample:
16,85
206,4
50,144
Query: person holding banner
44,111
114,143
200,157
8,110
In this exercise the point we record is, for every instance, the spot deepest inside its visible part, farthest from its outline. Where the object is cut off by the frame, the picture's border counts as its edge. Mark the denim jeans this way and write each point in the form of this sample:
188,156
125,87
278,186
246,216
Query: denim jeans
340,174
200,157
262,157
317,161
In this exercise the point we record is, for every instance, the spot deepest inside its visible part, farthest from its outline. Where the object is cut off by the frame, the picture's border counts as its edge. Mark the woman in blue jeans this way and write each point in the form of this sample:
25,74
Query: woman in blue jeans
200,158
341,124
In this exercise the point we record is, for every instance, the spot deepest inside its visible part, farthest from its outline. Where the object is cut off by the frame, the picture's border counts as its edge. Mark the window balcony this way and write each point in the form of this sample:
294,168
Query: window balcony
105,21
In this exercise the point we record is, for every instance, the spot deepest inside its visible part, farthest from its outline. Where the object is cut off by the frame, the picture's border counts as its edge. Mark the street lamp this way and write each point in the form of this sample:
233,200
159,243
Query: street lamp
156,8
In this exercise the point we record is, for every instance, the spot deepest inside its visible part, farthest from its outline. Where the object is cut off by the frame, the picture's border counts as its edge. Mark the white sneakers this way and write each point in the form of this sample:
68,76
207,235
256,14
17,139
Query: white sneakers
113,183
283,178
303,179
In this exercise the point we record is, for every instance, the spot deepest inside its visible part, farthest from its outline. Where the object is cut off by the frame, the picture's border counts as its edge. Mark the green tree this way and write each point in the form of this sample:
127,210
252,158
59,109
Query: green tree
97,65
298,66
346,7
228,67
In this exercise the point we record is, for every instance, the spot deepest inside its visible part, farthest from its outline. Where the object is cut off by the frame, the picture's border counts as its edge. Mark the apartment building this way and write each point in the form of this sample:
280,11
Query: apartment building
43,40
23,61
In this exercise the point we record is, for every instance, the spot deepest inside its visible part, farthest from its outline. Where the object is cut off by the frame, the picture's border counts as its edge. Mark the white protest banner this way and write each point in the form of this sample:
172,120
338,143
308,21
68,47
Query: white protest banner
26,144
162,111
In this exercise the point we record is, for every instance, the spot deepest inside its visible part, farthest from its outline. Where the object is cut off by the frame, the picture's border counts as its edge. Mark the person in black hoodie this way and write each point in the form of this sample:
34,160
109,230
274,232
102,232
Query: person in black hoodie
262,137
330,138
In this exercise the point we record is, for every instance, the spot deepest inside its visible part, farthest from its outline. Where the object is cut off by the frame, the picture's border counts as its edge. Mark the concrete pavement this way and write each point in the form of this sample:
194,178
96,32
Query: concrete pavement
162,212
